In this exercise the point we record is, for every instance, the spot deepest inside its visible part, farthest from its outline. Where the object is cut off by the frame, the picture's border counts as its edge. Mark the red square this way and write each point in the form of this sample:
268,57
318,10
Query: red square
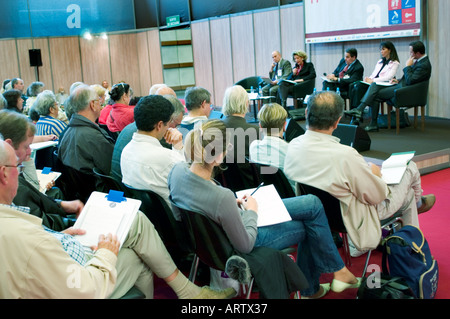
409,15
395,4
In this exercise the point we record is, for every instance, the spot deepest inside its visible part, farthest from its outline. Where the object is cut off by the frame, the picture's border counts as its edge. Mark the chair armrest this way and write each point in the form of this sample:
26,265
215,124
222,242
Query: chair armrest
412,95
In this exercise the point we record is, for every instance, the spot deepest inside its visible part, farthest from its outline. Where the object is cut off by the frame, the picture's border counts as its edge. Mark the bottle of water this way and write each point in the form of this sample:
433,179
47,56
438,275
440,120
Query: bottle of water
252,90
338,91
315,91
260,91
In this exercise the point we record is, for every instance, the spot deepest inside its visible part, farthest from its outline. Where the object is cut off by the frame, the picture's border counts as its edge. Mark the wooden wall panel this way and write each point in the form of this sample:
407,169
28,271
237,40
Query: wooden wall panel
145,80
267,39
27,73
66,61
9,64
292,31
221,57
154,49
95,60
243,46
124,57
201,47
45,71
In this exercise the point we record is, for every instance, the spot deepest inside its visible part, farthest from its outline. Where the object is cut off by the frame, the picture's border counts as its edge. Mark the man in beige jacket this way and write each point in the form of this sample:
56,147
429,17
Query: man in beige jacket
318,159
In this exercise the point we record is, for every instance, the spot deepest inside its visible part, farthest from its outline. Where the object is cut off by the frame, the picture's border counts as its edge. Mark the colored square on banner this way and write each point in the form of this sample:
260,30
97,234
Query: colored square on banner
409,15
395,5
395,17
408,4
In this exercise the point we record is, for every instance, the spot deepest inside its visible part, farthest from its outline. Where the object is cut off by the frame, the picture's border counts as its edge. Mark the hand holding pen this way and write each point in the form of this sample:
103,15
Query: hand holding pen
248,202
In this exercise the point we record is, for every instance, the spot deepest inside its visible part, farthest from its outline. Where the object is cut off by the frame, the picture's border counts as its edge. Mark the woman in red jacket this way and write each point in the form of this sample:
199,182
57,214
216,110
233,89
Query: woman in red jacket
122,113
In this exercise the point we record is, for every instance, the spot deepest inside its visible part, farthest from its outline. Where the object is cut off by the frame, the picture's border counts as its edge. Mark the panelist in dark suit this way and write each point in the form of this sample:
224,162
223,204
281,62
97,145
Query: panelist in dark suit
280,69
418,69
348,71
302,71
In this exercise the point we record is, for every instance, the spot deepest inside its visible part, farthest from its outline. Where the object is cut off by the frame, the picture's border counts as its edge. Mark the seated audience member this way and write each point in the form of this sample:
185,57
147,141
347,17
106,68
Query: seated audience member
48,109
84,144
121,111
281,69
348,71
18,132
272,149
341,171
198,104
67,107
303,71
61,96
18,84
14,100
156,87
101,92
235,106
385,70
6,85
418,69
50,257
145,163
32,92
206,148
127,134
3,102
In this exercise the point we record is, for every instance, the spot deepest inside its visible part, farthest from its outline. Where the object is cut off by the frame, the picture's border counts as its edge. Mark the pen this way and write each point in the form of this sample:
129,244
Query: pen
257,188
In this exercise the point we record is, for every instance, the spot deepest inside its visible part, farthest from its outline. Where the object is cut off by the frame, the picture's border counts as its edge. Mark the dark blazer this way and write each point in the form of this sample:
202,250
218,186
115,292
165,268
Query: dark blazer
355,72
308,72
418,72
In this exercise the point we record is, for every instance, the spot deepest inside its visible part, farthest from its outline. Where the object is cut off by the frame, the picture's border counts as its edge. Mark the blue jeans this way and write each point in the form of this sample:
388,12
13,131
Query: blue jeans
316,252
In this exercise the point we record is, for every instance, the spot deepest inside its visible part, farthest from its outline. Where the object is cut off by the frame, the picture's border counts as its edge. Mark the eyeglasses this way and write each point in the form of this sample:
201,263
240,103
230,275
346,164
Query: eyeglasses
20,167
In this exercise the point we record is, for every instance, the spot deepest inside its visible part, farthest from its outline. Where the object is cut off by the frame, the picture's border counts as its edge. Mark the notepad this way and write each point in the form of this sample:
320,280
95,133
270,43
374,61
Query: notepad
393,169
380,83
103,215
46,176
271,209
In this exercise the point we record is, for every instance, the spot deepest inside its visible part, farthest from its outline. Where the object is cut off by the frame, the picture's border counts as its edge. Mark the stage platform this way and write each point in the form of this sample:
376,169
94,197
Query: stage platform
432,146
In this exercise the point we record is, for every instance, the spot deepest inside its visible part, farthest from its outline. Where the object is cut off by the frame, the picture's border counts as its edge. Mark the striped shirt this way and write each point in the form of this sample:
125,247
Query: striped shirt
49,125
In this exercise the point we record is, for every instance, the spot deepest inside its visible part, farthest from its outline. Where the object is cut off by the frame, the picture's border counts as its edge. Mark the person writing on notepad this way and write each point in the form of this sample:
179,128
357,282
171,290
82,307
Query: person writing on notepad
340,170
206,148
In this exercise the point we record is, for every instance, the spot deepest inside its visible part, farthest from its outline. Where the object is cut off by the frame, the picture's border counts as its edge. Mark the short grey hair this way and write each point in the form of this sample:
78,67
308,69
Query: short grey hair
44,101
324,109
80,98
194,97
35,88
235,100
176,103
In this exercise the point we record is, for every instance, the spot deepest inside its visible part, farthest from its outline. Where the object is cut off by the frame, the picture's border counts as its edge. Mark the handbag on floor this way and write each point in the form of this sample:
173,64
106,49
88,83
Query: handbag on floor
381,286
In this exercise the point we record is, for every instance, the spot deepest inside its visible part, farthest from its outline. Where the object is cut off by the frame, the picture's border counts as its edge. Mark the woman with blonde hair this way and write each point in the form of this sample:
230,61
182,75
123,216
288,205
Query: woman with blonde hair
302,71
193,186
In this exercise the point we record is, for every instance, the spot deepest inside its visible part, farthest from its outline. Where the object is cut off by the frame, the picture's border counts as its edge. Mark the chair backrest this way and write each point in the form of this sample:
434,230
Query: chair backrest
160,214
106,183
238,176
412,95
113,135
208,239
330,203
272,175
250,81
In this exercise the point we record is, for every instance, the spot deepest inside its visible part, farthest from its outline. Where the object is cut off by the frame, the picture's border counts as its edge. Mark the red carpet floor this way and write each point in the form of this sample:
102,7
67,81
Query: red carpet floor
434,224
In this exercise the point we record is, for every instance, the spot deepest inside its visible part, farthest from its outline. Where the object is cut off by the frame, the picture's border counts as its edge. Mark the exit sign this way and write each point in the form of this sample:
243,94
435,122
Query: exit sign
173,21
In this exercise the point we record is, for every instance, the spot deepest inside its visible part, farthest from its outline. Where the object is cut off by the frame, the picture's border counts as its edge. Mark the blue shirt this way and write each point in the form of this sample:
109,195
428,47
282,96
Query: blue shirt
49,125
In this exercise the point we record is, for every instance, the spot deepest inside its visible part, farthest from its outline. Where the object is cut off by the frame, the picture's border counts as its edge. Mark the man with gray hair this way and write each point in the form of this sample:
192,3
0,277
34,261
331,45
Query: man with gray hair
365,198
84,145
198,104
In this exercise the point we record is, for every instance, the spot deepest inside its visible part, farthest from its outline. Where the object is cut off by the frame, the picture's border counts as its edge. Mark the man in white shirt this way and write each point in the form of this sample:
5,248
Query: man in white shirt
145,163
341,171
198,104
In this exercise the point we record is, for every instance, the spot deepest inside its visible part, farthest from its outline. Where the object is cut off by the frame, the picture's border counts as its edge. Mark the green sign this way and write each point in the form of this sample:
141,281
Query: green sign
173,21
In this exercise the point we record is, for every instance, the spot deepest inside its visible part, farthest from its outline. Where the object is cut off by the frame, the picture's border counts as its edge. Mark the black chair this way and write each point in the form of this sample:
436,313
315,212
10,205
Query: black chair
238,176
44,157
113,135
332,209
411,96
272,175
105,183
208,241
249,82
172,232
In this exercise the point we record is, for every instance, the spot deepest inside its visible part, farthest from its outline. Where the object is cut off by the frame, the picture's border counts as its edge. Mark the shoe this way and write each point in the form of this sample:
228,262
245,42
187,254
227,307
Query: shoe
325,290
354,112
340,286
371,128
427,203
208,293
356,121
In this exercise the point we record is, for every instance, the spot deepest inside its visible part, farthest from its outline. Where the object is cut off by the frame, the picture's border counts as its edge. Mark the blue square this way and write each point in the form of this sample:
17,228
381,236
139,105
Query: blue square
395,17
408,4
